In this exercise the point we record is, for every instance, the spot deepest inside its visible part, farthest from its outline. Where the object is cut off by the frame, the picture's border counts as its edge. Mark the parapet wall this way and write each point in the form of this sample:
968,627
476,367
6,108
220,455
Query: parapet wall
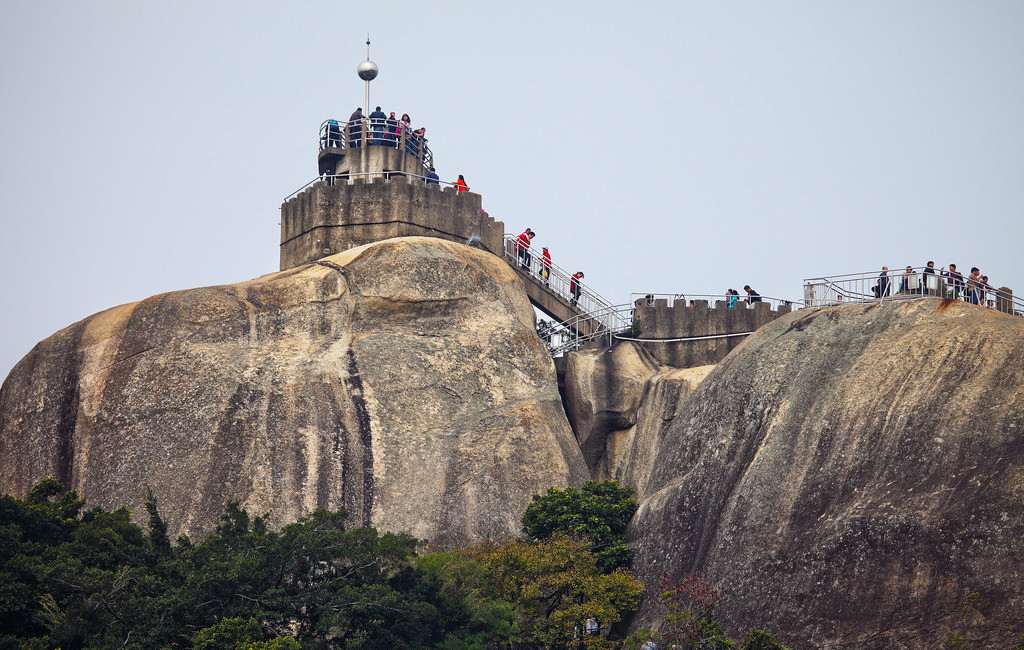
660,321
327,219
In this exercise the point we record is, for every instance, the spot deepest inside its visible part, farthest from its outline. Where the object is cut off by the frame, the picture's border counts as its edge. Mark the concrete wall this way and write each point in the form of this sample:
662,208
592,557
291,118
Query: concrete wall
369,159
659,321
324,219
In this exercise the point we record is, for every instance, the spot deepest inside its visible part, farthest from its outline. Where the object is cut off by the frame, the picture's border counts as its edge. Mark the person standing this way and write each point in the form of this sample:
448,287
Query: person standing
377,119
432,178
575,287
333,133
955,280
752,296
974,286
523,241
881,288
985,289
391,130
545,265
930,280
460,186
355,128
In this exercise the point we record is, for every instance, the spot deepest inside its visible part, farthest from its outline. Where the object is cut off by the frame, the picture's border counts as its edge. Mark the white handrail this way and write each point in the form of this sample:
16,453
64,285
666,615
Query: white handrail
908,283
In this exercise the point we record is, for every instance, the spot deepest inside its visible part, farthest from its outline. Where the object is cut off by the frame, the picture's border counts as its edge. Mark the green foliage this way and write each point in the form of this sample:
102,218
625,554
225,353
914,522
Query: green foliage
90,580
599,512
555,586
635,330
82,579
759,640
490,619
239,634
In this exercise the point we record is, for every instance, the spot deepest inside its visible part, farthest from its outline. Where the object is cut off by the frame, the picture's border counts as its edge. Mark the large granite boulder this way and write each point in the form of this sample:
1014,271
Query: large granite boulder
848,476
621,403
402,380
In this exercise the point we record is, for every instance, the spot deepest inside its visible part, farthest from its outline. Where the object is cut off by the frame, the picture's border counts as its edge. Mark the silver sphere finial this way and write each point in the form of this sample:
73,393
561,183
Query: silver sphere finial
367,70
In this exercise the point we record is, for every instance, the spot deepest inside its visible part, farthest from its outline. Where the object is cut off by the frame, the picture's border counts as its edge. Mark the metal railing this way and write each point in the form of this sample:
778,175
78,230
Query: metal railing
560,282
909,284
573,334
349,179
686,298
335,134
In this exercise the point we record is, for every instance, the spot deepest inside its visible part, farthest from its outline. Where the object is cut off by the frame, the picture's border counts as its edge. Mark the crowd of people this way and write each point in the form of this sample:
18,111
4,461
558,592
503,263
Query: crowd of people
974,288
383,131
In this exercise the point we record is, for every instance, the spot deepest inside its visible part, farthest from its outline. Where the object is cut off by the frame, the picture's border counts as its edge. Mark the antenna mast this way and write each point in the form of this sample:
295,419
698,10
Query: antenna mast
367,71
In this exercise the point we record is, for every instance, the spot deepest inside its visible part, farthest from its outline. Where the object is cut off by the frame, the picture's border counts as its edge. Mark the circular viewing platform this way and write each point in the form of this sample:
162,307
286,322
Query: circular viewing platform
371,145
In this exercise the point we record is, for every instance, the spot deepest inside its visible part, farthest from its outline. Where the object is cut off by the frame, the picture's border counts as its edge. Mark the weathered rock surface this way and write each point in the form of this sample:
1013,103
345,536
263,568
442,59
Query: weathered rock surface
402,380
620,403
848,475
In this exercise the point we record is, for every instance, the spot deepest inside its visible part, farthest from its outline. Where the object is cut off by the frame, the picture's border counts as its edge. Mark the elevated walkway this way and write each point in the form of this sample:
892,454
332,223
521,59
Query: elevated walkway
586,315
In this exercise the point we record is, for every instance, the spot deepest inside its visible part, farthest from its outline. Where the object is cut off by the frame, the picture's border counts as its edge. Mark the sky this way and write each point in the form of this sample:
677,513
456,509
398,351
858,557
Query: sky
661,147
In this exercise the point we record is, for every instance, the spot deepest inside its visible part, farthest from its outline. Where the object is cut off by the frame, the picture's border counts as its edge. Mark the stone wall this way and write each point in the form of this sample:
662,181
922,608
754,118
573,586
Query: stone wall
327,219
660,321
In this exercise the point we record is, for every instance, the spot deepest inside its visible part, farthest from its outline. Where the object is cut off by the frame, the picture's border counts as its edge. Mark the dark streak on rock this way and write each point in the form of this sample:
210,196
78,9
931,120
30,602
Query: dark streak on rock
365,436
944,305
65,460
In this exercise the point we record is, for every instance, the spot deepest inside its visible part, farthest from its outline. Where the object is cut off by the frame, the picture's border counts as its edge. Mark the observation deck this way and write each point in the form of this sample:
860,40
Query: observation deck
371,146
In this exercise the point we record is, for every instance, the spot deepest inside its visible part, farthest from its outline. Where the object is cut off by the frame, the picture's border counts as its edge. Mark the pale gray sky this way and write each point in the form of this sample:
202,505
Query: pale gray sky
658,146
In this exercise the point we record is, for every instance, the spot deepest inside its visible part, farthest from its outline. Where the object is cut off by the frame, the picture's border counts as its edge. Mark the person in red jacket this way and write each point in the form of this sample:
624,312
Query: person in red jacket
574,287
524,248
460,185
545,265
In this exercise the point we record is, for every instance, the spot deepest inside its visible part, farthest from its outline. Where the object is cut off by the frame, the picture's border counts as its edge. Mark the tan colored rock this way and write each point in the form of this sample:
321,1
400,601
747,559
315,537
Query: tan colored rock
848,475
402,380
620,403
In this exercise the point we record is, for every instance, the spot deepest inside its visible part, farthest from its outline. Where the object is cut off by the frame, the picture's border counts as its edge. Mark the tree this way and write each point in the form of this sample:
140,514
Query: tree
94,580
555,586
599,512
239,634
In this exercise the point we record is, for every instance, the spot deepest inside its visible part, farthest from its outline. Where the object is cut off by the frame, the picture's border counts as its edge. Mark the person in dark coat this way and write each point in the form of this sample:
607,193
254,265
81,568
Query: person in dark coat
955,280
432,178
929,280
752,296
881,288
355,128
377,120
391,130
333,138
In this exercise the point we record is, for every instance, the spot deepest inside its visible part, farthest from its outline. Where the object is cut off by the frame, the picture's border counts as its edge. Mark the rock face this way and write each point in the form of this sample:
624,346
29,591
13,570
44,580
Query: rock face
847,476
620,403
402,380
